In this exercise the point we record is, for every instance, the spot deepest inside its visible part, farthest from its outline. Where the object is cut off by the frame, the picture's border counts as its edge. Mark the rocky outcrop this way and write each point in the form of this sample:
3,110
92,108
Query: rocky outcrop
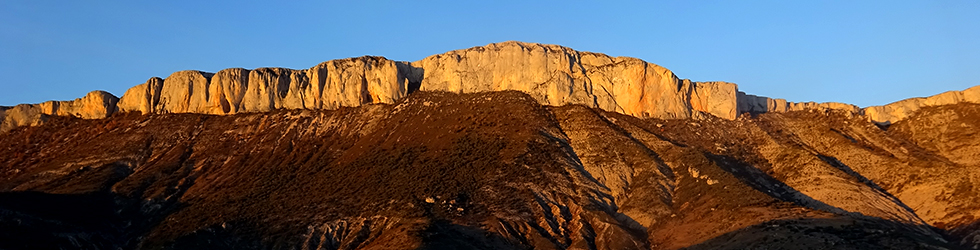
95,105
22,115
143,98
551,74
329,85
885,114
899,110
761,104
556,75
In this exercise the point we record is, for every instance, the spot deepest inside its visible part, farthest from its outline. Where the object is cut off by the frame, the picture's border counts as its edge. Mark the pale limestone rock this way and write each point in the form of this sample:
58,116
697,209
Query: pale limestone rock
94,105
356,81
329,85
800,106
296,94
142,98
556,75
184,92
761,104
267,89
22,115
552,74
885,114
718,98
899,110
227,91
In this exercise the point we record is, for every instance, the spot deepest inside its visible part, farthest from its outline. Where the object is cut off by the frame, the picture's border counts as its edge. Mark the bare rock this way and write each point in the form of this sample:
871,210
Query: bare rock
329,85
717,98
22,115
268,89
899,110
142,98
556,75
185,92
94,105
355,81
551,74
761,104
227,90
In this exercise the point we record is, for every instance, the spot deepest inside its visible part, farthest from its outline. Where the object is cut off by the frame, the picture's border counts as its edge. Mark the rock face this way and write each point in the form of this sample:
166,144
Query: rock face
761,104
899,110
556,75
885,114
143,98
95,105
329,85
551,74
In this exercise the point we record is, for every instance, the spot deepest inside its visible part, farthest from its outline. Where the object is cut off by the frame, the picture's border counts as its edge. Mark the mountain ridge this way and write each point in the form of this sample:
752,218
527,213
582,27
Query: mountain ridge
552,74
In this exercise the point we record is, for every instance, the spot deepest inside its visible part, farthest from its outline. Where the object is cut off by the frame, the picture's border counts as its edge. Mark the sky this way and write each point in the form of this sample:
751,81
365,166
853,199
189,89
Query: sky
860,52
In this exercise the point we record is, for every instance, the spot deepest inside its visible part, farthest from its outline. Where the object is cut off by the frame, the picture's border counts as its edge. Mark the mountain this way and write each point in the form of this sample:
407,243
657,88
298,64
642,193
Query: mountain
506,146
552,74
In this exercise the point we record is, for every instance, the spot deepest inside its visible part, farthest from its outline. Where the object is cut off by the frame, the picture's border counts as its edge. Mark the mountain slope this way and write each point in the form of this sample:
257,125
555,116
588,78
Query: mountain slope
493,170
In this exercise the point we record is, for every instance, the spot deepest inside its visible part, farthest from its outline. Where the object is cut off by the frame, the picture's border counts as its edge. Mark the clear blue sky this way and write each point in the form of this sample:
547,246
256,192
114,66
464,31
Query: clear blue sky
860,52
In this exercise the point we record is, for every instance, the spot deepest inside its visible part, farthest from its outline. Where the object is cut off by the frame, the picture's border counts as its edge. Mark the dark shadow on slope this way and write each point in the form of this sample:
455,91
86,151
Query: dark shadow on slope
793,139
832,233
228,235
662,166
79,210
35,220
637,230
579,167
766,184
847,169
443,234
967,235
89,179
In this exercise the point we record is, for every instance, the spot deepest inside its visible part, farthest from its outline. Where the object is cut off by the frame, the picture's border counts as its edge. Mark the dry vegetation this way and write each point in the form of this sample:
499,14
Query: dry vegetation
490,171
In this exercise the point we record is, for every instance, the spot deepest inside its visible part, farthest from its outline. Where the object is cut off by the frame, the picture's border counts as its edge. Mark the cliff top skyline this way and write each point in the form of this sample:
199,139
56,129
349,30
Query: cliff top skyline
869,53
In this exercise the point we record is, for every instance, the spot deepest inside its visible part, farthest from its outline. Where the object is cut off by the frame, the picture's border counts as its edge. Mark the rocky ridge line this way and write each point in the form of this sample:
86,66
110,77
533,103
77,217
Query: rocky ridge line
899,110
94,105
551,74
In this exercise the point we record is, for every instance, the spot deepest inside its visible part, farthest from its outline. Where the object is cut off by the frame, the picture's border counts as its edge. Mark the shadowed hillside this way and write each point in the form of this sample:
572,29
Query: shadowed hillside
491,170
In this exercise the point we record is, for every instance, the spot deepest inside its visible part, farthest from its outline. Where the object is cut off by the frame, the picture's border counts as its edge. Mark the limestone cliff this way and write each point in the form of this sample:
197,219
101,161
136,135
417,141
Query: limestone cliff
885,114
761,104
94,105
899,110
551,74
556,75
329,85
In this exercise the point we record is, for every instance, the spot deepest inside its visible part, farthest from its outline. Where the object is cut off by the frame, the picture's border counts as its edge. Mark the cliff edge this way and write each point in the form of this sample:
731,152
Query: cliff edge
551,74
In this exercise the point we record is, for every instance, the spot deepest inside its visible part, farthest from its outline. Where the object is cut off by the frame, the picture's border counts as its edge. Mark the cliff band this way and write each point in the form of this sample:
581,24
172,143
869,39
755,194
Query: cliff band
551,74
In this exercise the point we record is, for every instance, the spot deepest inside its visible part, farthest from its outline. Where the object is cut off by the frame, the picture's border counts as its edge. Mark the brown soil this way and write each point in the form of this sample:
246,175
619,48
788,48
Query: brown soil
490,171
